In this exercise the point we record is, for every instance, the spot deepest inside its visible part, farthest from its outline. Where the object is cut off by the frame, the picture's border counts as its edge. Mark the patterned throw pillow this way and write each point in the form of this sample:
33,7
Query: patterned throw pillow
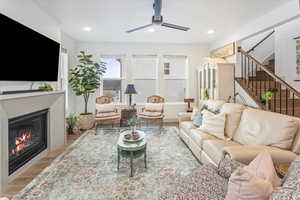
227,166
197,121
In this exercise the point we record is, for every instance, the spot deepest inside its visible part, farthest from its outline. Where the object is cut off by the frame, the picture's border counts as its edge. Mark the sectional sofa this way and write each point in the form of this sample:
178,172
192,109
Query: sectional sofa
248,131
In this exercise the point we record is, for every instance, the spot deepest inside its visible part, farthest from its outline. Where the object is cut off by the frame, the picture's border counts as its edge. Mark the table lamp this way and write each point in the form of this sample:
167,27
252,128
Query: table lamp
189,101
130,90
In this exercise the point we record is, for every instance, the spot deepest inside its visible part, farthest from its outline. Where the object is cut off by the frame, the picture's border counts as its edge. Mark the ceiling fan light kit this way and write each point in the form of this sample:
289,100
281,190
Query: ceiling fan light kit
157,20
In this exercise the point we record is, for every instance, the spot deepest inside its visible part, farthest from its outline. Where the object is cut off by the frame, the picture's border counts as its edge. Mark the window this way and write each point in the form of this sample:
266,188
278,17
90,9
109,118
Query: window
112,79
175,79
144,76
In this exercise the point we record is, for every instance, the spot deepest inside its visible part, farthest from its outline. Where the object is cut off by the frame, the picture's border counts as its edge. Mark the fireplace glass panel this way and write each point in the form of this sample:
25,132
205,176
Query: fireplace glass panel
27,138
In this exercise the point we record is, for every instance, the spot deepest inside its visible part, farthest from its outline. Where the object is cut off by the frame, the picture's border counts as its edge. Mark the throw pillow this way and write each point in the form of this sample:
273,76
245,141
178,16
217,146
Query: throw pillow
154,107
255,181
213,124
245,185
227,166
104,108
197,120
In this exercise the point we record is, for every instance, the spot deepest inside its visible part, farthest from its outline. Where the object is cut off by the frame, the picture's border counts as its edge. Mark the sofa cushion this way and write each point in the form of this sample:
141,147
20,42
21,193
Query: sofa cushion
233,117
103,108
187,126
246,153
154,107
202,184
199,136
259,127
214,148
213,124
296,142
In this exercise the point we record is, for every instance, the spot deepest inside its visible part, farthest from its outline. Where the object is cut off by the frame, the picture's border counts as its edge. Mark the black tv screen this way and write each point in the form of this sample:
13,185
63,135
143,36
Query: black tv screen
26,55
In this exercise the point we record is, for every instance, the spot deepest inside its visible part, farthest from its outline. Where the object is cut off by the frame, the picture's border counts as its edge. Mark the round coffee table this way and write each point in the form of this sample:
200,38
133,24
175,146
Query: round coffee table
132,149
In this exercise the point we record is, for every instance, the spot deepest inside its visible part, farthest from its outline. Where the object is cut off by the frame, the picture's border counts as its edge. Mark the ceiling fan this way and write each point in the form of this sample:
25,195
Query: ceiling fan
157,20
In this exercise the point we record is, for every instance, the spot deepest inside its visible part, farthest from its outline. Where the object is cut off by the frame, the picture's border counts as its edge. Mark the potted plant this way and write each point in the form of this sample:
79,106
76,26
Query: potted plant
46,87
71,122
133,122
205,94
85,79
267,96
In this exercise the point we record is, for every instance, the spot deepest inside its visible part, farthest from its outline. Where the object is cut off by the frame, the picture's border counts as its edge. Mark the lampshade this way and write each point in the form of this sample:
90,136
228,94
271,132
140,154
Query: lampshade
130,89
189,100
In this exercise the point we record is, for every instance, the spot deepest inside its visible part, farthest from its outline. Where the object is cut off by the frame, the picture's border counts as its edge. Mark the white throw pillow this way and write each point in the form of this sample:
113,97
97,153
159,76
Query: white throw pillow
258,127
213,124
233,117
154,107
104,108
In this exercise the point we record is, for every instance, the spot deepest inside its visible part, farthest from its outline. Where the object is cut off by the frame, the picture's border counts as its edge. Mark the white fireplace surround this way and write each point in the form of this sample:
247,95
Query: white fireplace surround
21,104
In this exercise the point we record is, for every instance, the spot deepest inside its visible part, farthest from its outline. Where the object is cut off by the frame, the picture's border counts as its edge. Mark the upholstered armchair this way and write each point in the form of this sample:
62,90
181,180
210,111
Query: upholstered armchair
153,110
106,112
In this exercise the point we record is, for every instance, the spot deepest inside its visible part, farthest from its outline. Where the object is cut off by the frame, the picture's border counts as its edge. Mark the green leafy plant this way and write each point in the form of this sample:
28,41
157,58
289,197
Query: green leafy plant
205,94
267,96
85,78
71,122
133,121
46,87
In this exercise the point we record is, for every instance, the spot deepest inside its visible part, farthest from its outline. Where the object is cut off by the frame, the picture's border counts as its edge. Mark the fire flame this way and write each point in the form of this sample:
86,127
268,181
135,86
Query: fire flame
22,141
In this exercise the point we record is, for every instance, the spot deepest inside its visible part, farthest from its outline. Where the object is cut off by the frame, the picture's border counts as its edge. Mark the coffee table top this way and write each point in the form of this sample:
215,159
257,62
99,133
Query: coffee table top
132,146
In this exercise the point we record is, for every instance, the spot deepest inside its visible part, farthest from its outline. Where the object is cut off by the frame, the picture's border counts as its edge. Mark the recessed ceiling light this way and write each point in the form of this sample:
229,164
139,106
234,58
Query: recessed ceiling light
210,32
87,28
151,30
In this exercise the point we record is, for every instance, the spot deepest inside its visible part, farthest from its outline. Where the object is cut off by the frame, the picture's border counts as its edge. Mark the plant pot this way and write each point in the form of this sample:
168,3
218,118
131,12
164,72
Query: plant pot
85,121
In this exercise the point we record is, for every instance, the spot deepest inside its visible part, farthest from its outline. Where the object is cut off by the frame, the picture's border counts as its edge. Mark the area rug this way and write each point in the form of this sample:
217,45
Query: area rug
88,169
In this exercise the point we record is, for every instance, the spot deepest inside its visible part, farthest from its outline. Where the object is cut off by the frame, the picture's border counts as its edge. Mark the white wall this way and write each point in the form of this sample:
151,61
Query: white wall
29,14
285,51
270,20
194,52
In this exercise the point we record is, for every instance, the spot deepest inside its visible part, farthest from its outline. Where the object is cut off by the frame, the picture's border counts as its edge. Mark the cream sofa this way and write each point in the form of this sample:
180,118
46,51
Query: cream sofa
248,131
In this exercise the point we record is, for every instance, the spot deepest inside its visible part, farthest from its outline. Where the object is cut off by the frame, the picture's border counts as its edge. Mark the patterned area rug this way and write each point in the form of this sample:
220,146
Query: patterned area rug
88,169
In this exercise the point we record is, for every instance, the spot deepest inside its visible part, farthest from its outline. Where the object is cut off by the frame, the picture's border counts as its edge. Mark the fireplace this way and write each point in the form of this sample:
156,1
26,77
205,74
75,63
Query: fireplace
27,138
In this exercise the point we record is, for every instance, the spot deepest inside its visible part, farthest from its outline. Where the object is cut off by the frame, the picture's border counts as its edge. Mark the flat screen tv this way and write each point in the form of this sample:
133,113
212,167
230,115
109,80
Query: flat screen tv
26,55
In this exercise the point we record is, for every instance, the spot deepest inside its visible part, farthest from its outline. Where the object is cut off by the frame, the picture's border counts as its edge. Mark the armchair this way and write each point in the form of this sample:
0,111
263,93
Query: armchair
153,110
106,111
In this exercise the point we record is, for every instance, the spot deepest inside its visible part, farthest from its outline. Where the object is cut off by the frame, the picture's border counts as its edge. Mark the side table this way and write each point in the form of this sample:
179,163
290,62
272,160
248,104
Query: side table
127,114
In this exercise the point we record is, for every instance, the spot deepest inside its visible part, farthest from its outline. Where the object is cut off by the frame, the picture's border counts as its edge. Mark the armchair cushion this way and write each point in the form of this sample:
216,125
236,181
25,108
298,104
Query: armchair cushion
105,108
107,114
150,114
154,107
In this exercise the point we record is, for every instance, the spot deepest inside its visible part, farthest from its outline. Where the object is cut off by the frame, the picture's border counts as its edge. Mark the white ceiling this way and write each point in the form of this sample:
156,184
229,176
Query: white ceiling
111,18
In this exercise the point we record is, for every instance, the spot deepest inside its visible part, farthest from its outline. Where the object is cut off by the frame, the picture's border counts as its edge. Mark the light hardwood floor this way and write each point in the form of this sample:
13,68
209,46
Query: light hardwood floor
25,178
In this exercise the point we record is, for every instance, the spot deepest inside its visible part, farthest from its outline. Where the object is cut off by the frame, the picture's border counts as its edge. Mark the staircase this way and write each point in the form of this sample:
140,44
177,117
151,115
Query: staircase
257,78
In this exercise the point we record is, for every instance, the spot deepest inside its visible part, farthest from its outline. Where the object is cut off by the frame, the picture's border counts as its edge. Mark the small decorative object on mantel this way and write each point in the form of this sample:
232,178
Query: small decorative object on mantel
189,101
46,87
297,58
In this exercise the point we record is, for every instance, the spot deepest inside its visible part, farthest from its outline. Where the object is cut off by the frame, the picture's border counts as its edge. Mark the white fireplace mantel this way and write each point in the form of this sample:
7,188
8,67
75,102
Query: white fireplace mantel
15,105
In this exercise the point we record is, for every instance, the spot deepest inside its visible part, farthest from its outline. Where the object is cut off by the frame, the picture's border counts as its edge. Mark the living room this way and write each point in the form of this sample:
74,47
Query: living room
150,99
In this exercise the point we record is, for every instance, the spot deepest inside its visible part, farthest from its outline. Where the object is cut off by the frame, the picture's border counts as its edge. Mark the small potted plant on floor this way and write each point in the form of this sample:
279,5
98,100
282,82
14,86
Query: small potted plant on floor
85,79
71,122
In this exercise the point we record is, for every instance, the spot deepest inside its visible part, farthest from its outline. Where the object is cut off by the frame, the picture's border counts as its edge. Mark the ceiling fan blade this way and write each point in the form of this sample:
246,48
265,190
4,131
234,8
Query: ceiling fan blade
182,28
139,28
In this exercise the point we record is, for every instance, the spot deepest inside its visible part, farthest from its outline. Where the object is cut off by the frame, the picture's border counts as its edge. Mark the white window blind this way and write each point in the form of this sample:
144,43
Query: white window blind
144,76
175,79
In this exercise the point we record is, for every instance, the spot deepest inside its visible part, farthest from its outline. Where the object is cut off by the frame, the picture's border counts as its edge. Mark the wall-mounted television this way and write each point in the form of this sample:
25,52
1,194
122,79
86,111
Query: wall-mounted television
26,55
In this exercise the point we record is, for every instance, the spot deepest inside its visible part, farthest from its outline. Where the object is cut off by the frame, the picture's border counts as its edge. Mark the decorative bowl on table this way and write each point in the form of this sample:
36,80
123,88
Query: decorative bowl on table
132,137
